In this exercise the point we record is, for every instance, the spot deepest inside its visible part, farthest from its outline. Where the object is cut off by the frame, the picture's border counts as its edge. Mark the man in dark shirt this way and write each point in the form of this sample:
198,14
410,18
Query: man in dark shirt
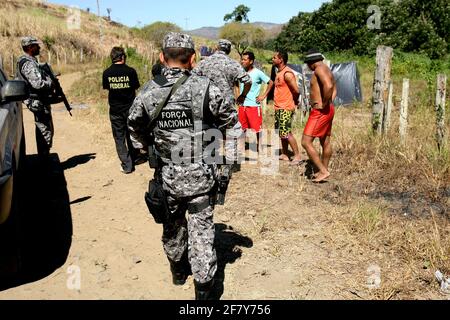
122,82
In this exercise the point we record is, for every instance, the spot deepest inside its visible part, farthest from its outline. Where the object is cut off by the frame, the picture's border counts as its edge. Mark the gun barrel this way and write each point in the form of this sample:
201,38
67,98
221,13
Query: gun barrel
58,89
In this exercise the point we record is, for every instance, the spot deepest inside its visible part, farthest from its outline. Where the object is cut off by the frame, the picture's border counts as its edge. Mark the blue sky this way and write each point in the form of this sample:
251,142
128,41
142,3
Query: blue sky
194,14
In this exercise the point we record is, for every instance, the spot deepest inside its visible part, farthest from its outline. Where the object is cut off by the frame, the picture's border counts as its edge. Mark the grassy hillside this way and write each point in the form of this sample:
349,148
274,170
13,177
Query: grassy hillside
62,46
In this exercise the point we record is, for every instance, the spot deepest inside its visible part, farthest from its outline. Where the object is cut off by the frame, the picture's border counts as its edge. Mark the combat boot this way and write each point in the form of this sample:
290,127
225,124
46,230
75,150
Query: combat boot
180,271
203,291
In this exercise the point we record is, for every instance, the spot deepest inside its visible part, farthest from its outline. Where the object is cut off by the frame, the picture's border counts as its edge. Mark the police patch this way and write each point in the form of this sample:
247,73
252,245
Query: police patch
175,119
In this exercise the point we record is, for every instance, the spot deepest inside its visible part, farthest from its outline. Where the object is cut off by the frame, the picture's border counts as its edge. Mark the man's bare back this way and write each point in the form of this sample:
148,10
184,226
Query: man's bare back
323,87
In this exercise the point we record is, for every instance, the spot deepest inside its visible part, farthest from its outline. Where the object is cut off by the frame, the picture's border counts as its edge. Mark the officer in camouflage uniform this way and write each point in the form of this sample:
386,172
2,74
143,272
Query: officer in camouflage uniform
188,180
225,72
41,85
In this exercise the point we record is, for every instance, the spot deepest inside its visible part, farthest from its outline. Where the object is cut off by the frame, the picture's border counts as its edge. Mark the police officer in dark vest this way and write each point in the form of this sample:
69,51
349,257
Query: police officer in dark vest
176,113
122,82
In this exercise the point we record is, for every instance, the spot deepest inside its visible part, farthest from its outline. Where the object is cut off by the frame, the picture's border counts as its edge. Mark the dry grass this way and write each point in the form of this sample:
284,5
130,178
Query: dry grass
62,46
387,205
408,251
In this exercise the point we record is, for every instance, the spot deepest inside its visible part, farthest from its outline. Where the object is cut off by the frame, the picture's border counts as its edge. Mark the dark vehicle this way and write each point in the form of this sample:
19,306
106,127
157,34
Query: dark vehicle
12,156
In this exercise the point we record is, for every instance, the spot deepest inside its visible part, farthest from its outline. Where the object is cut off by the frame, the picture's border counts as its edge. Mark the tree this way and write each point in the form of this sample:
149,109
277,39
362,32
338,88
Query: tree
240,14
409,25
242,36
156,31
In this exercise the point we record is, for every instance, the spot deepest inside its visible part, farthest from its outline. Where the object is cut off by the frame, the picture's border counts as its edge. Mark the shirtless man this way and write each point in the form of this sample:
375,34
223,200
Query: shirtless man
322,94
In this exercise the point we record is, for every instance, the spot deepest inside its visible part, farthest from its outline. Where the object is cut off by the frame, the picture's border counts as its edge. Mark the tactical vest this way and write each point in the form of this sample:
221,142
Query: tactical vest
35,94
180,126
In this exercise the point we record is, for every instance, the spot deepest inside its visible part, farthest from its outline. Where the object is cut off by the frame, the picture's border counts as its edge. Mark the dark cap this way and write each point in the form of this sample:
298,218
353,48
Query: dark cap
178,40
313,55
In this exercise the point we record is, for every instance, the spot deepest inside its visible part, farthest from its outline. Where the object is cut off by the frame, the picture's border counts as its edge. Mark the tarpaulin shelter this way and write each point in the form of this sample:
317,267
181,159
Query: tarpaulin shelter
347,82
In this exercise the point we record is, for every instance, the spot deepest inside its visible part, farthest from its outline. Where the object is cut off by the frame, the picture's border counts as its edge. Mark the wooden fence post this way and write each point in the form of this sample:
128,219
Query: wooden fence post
404,111
388,109
57,58
1,62
65,57
440,110
380,86
81,55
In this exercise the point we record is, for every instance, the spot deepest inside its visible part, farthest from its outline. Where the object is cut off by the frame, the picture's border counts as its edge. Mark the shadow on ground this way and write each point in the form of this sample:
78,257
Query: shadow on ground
227,243
78,160
45,222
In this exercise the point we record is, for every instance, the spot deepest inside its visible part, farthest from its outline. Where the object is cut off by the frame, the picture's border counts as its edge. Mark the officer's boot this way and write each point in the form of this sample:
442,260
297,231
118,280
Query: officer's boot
180,270
203,291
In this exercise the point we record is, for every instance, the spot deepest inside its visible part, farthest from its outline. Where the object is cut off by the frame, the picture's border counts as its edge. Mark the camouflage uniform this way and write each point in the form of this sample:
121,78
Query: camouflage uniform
223,71
188,182
40,84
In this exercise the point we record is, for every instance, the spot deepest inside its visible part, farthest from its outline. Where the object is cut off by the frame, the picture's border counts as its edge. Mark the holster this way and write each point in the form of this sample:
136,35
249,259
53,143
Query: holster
156,200
153,158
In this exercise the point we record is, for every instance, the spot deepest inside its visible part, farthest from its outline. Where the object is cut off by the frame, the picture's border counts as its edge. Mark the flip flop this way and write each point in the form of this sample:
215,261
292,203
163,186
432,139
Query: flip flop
296,162
321,181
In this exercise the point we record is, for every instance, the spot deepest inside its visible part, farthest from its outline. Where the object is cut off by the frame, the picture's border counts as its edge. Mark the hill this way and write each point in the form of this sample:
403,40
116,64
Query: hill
69,36
212,33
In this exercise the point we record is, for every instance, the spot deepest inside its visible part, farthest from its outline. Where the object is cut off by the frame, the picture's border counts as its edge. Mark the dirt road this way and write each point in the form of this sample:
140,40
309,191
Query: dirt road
92,237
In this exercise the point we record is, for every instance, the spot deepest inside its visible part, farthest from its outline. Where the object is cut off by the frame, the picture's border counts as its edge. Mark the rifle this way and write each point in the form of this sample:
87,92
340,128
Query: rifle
223,181
58,94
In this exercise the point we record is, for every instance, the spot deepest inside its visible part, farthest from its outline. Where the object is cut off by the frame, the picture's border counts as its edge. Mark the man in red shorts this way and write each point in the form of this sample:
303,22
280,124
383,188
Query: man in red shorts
322,94
250,113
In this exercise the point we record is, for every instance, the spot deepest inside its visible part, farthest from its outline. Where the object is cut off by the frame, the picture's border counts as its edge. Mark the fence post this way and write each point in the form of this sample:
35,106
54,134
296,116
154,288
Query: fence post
1,62
65,57
57,58
404,110
81,55
440,110
380,86
388,109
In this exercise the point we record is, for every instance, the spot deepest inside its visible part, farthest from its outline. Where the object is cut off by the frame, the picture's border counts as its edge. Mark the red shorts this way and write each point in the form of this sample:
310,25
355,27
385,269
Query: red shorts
320,123
251,118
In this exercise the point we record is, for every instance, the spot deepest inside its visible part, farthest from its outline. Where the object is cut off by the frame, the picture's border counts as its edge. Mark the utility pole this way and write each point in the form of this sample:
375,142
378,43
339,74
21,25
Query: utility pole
99,21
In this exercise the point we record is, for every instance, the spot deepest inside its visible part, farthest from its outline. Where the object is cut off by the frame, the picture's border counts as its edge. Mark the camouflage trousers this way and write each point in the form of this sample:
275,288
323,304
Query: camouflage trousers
44,130
194,233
